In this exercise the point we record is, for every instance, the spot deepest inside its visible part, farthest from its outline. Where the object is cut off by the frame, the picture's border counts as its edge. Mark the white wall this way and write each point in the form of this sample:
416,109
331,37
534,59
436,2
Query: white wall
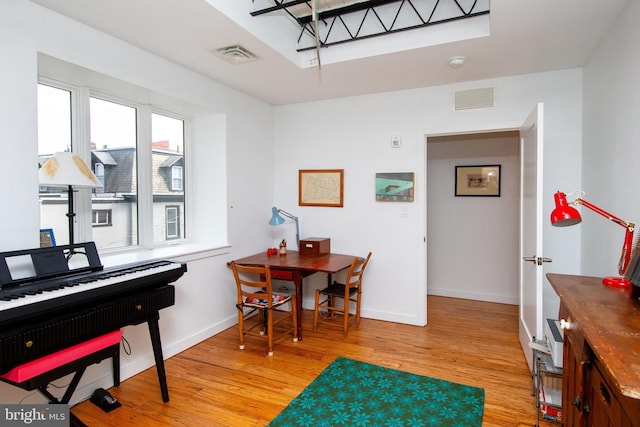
355,133
220,165
611,129
473,244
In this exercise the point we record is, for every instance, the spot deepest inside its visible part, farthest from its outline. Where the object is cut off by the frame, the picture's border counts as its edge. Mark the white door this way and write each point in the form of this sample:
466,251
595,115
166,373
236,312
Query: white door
531,217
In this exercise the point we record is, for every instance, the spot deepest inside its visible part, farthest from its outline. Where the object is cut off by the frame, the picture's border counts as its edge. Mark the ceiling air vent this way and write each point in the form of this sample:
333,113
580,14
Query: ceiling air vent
235,54
474,98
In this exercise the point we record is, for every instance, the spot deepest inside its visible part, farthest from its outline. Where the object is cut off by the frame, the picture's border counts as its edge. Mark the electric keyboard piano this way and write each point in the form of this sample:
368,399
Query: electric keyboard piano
52,298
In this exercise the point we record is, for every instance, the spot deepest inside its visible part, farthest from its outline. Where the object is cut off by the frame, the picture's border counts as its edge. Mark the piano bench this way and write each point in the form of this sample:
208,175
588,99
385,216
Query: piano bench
38,373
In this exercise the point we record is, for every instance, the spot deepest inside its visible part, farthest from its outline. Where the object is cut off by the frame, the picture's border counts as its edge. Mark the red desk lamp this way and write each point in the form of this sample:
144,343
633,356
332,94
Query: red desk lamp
564,215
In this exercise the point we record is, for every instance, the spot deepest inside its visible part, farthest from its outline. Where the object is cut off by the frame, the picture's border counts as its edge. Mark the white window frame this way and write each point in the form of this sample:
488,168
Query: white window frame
81,137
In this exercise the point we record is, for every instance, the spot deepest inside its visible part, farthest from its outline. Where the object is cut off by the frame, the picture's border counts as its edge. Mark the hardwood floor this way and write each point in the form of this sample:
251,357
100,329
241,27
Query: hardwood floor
216,384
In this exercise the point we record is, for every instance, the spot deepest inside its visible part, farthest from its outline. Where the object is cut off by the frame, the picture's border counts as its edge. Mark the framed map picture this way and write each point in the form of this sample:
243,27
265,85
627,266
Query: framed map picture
321,187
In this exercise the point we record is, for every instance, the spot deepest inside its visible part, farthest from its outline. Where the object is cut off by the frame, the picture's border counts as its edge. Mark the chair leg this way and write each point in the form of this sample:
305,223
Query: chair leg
241,327
358,309
346,317
264,316
269,316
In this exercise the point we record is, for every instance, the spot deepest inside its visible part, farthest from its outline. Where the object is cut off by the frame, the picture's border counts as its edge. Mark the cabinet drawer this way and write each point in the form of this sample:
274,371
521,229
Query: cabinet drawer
604,408
605,399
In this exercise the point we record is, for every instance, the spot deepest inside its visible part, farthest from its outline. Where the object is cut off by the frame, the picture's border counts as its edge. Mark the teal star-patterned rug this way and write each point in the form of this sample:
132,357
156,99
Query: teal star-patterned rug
352,393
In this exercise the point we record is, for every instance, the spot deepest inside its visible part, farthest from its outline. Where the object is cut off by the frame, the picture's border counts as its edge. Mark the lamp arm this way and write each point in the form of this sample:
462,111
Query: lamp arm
288,215
625,256
628,225
295,219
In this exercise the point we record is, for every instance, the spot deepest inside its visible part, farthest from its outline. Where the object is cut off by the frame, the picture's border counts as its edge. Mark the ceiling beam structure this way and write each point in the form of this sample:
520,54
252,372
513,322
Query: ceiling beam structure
381,17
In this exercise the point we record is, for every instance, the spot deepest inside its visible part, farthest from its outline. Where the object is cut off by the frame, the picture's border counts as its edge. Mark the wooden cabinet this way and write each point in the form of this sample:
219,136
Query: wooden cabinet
601,363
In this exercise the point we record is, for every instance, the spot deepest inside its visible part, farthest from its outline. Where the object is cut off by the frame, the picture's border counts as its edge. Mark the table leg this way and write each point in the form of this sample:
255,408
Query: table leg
297,281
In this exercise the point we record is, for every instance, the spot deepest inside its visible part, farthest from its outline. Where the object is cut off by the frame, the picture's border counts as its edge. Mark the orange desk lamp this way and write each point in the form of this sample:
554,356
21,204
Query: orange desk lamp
564,215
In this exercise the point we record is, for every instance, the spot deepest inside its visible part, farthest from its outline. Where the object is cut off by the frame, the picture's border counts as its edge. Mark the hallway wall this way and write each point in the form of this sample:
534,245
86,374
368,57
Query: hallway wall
472,242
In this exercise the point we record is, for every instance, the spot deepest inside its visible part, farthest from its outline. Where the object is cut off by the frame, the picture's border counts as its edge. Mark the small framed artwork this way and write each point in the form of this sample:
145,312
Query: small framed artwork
47,240
321,187
394,187
481,180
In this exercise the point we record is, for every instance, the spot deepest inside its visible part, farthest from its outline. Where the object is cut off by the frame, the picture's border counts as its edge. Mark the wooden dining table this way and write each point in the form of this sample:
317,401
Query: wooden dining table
294,268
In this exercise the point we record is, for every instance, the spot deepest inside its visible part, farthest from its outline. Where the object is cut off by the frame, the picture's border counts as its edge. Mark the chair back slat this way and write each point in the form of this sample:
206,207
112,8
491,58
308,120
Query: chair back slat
253,282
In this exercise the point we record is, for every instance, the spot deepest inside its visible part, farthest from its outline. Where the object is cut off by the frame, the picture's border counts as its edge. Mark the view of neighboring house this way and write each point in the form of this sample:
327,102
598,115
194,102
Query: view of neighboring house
115,206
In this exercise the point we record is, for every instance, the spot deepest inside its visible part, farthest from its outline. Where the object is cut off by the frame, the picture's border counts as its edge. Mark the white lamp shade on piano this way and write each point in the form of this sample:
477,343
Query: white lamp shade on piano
67,169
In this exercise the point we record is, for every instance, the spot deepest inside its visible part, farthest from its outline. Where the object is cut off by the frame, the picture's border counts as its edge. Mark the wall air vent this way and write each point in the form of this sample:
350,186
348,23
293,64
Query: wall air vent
235,54
474,98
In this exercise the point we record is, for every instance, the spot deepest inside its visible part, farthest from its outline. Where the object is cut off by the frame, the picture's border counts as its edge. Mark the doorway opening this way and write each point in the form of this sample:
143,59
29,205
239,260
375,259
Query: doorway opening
473,240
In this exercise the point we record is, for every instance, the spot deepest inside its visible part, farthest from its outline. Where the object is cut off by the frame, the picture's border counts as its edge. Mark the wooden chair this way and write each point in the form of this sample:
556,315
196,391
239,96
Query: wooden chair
258,304
350,291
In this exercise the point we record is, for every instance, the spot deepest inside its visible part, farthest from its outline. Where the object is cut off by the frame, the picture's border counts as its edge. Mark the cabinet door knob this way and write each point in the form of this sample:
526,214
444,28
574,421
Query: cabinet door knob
577,403
565,324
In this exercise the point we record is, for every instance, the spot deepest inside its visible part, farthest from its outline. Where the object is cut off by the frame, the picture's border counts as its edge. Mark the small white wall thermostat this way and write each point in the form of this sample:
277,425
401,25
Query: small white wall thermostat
396,141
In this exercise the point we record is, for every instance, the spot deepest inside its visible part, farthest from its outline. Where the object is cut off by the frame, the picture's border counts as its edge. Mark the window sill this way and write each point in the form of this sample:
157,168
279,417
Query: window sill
184,252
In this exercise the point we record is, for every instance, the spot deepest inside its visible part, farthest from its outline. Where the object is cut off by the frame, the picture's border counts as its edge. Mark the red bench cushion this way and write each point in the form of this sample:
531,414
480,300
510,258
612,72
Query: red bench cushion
44,364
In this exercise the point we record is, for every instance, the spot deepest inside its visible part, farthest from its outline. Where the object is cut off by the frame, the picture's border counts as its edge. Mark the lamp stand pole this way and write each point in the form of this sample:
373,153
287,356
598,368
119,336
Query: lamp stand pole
71,215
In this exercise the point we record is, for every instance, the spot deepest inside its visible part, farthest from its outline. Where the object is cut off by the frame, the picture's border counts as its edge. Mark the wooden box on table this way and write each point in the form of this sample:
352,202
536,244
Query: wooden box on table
315,246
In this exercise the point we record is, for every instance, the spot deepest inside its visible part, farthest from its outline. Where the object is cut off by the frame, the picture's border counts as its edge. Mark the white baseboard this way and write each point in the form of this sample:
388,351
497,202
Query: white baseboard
387,316
477,296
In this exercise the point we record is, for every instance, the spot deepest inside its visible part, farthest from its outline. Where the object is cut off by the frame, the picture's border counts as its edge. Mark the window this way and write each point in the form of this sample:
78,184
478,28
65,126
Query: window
114,135
98,170
54,135
137,152
101,217
172,215
176,178
167,134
